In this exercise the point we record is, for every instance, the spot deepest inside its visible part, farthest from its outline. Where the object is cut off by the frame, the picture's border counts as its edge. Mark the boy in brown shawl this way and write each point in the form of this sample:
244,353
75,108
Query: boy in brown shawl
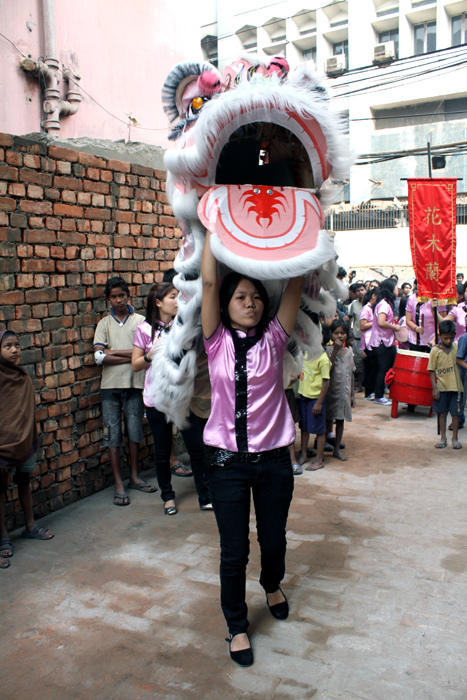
18,441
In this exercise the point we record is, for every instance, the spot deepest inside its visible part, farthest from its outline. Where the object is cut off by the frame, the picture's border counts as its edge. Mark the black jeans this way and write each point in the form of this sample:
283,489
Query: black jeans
193,437
371,369
385,358
271,483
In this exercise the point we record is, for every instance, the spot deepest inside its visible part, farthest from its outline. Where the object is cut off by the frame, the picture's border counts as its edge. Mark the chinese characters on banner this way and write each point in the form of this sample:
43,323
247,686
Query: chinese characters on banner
432,229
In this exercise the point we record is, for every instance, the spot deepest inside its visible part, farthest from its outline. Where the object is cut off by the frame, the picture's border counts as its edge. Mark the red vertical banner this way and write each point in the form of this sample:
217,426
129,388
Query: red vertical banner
432,229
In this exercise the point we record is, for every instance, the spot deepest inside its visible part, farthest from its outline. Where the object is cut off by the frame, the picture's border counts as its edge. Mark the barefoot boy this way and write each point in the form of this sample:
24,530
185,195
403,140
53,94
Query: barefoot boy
446,383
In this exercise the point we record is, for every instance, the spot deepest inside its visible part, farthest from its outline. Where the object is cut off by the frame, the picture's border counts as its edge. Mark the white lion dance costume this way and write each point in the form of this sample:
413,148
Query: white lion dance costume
257,151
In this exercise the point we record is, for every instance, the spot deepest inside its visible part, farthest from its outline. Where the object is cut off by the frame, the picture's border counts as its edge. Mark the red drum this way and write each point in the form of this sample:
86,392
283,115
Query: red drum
412,383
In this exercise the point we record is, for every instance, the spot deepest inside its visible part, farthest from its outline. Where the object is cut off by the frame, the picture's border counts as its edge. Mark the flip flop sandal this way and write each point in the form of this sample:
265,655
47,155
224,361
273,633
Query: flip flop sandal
297,470
456,445
37,534
121,499
441,444
143,486
6,546
185,471
4,563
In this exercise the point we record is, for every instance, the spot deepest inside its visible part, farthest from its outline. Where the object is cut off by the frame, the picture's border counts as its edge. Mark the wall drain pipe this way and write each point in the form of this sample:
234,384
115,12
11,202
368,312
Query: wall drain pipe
48,69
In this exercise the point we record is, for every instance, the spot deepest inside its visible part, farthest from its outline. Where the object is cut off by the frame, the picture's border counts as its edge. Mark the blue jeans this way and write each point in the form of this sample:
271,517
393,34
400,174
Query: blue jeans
114,401
231,485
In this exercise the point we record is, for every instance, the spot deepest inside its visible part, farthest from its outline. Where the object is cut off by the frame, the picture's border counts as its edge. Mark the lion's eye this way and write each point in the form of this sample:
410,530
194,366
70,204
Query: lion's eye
197,103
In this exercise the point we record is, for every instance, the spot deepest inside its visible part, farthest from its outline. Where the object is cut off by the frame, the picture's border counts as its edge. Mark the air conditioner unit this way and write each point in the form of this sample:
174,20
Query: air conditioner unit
384,53
336,65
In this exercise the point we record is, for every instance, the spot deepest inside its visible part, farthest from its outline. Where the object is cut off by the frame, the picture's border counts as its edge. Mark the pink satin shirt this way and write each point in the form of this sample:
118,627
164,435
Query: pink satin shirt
269,423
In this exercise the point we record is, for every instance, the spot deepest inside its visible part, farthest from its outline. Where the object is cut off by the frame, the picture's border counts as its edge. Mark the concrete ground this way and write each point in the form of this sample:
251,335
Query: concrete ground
123,603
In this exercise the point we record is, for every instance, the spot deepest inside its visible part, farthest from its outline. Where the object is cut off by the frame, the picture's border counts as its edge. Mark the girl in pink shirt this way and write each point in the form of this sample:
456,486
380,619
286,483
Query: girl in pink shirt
368,354
250,429
382,336
161,308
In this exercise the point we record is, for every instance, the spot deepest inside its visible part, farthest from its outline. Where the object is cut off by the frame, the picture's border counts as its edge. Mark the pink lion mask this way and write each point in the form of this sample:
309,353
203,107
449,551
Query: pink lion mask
257,152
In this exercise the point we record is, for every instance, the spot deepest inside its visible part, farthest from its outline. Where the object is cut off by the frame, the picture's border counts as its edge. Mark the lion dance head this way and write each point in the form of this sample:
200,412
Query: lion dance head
257,152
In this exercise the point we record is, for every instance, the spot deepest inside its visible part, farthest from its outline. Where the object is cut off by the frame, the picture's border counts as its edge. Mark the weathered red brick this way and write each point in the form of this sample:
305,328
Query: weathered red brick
119,165
7,173
67,210
63,153
67,183
92,213
7,204
6,140
31,161
35,207
94,161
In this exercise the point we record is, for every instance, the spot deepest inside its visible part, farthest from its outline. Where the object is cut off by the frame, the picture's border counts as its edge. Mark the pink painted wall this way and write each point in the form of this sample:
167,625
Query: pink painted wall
123,50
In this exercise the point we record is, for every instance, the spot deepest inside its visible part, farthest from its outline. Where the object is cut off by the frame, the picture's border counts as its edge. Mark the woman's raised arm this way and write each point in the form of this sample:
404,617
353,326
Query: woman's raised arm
290,304
210,311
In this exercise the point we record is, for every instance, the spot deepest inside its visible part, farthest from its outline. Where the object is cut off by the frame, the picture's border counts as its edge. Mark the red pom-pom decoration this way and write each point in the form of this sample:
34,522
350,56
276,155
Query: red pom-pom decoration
209,82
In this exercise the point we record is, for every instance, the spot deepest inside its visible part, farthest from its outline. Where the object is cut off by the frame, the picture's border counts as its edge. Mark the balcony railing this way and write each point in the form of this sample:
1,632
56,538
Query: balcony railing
368,218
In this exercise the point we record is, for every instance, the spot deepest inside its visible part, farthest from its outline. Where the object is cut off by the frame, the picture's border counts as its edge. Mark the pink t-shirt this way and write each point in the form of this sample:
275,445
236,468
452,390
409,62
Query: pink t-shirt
459,312
143,341
428,320
382,335
366,314
249,410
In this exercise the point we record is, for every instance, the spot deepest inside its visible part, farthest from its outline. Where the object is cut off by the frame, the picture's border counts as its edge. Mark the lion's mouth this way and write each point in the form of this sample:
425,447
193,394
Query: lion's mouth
263,203
264,154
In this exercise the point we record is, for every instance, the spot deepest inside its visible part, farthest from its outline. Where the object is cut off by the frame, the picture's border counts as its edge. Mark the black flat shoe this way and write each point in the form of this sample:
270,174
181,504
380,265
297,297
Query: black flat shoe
243,657
281,610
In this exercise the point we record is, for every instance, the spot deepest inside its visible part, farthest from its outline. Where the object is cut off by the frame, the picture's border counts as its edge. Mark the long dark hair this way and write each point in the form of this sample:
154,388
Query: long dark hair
156,293
386,292
226,292
368,295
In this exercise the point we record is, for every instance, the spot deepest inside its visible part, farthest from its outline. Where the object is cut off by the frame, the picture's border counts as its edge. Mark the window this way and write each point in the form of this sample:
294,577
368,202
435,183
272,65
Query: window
390,35
340,48
309,54
458,34
424,37
209,46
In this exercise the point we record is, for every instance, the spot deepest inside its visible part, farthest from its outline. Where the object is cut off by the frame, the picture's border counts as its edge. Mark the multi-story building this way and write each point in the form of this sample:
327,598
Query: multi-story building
396,69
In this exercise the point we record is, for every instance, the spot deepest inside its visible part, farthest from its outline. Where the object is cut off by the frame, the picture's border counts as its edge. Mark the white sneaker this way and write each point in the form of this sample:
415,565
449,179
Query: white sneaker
383,402
370,397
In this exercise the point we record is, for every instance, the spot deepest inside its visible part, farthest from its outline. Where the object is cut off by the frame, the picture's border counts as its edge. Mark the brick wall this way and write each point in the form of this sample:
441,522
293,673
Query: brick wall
68,221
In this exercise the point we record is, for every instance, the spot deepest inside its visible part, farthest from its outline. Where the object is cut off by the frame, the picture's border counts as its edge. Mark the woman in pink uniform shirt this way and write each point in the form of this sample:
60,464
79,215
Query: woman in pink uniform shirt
366,324
249,431
420,320
382,336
